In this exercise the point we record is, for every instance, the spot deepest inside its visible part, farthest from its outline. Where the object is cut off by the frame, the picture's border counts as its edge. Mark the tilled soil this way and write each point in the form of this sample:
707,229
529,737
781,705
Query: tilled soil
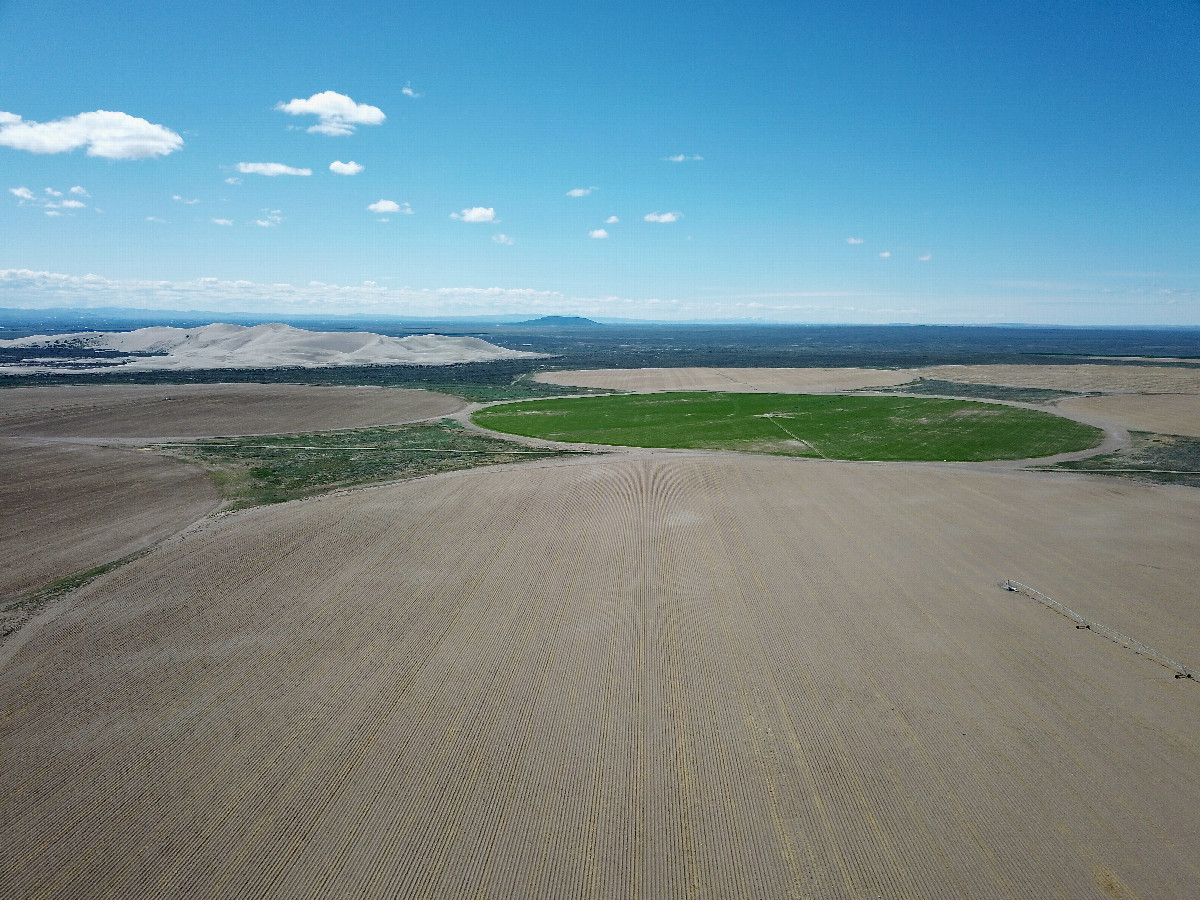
660,675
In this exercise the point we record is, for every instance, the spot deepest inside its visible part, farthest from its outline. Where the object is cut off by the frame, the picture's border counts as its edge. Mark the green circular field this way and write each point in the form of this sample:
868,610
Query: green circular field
832,426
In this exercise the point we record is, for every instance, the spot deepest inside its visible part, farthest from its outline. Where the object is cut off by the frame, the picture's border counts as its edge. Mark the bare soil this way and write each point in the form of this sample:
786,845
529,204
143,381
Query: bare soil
773,381
176,411
661,675
1081,378
1160,413
65,508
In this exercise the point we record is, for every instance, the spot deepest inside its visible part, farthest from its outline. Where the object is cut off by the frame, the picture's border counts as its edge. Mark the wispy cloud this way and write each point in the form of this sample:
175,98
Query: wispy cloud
270,219
598,233
50,200
78,191
270,169
580,192
157,220
502,239
886,254
663,217
336,113
225,222
179,199
345,168
233,179
475,214
682,157
853,240
107,134
407,91
611,220
925,258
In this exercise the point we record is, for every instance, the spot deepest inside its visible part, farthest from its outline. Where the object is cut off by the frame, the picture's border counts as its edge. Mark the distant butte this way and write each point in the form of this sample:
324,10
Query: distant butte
561,322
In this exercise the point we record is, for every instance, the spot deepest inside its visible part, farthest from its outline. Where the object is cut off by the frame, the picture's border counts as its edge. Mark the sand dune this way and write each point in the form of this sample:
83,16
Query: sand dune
224,346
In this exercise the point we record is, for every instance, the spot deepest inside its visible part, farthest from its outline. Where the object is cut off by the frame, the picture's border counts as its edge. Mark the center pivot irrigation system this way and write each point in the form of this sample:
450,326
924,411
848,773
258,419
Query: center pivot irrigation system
1181,671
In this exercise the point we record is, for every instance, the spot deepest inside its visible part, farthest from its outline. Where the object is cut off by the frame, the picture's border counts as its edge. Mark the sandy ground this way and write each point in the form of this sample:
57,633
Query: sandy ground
224,346
1161,413
1131,379
659,675
120,411
65,508
779,381
1117,379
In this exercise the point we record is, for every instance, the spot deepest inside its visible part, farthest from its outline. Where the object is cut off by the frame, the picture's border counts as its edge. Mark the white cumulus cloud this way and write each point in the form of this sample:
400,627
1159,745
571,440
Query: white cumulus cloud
663,217
886,254
611,220
599,233
53,193
179,199
233,180
79,192
475,214
70,204
337,167
580,192
53,212
270,219
502,239
23,193
105,133
270,169
854,240
407,91
384,206
336,113
682,157
225,222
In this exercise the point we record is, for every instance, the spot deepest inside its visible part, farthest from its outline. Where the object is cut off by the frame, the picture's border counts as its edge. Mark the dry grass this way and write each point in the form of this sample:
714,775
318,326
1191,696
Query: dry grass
656,677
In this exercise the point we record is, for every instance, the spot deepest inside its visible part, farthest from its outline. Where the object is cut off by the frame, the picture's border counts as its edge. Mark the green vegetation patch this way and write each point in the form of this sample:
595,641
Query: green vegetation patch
834,426
256,470
1161,458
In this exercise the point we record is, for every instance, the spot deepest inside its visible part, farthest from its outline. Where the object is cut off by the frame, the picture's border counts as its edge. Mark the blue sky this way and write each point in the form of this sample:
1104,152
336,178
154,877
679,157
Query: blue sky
860,162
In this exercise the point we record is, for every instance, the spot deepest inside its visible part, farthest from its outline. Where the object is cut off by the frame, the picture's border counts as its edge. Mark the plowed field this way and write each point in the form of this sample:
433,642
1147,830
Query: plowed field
772,381
65,508
1162,413
1132,379
143,411
653,676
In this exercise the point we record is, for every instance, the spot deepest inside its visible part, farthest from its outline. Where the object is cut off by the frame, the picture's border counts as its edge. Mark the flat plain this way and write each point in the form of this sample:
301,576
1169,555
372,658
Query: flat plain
654,676
200,410
66,507
1081,377
1162,413
830,426
651,674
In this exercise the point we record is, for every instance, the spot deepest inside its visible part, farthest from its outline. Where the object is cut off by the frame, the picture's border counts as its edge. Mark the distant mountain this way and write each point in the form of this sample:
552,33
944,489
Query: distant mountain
560,322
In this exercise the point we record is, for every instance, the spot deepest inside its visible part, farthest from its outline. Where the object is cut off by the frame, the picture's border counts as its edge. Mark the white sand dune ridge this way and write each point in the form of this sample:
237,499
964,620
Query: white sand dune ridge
275,345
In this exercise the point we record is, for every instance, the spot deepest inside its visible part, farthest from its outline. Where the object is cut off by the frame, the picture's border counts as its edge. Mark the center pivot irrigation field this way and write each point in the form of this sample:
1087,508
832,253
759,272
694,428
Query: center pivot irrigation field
830,426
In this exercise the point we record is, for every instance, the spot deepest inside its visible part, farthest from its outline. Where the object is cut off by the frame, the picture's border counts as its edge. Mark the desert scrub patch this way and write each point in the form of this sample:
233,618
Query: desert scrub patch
251,471
836,426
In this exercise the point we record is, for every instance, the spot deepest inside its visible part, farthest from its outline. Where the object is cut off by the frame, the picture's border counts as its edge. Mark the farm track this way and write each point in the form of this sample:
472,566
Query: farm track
650,676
